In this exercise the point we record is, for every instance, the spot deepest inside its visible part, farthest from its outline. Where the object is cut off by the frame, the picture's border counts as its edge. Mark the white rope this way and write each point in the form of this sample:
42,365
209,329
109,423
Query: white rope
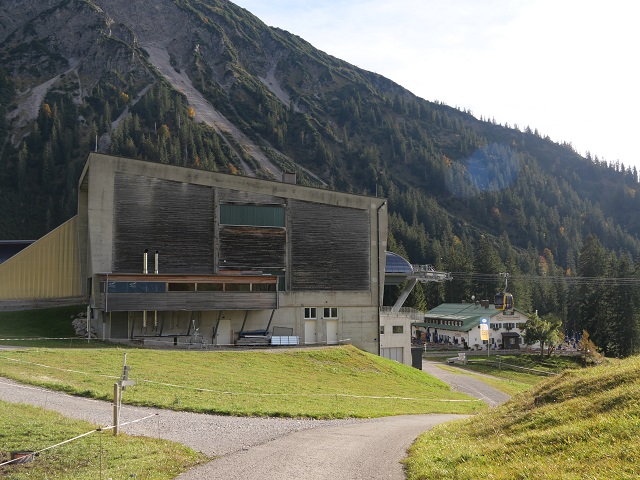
38,452
222,392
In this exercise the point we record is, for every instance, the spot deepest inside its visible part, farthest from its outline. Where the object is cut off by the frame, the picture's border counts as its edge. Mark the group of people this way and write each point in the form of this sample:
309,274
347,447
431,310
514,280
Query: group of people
425,336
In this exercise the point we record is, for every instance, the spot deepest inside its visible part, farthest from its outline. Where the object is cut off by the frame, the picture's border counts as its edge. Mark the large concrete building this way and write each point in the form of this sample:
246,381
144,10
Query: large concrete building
172,255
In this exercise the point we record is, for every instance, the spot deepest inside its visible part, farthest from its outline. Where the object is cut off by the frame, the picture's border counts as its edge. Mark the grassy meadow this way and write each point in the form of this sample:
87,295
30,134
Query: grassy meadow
319,383
508,380
334,382
98,455
583,423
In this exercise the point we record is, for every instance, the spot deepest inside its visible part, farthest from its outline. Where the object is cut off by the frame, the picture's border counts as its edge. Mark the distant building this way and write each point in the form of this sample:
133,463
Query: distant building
458,324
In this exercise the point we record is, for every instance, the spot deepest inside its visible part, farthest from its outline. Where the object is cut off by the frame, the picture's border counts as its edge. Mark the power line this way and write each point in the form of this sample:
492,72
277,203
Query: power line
549,279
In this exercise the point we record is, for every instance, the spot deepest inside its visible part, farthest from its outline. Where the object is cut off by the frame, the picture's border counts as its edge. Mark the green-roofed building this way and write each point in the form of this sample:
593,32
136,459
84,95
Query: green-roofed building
458,324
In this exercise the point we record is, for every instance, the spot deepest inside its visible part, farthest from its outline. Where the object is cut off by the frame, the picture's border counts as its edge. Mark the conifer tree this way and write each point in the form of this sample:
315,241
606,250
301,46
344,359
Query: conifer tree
487,261
592,297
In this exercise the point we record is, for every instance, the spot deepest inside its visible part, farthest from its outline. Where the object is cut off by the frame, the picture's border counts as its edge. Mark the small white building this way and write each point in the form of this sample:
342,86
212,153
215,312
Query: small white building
395,333
395,322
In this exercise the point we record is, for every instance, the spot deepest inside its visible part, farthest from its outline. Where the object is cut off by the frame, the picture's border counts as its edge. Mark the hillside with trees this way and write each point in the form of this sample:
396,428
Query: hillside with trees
466,195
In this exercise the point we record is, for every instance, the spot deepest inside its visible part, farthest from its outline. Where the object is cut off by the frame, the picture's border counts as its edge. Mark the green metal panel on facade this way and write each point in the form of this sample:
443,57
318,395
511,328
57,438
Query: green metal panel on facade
254,215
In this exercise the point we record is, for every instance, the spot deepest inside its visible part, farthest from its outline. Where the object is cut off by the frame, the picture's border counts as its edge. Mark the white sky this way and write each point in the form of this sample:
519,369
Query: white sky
566,67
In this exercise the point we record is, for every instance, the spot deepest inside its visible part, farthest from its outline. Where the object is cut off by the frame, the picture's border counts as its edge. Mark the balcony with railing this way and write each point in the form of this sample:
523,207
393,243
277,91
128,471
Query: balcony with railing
140,292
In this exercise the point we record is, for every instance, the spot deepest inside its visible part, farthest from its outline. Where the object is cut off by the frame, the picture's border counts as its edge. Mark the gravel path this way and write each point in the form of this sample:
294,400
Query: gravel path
257,448
214,435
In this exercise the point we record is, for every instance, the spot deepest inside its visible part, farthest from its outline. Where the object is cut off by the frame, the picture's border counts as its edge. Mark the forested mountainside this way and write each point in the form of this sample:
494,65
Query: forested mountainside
205,84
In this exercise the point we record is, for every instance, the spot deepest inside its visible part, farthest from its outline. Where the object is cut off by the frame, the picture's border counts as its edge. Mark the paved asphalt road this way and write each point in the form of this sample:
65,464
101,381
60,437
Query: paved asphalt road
466,384
270,448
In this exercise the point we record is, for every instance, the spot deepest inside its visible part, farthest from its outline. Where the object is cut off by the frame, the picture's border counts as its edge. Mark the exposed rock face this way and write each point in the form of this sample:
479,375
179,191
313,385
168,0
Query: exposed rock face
70,45
66,46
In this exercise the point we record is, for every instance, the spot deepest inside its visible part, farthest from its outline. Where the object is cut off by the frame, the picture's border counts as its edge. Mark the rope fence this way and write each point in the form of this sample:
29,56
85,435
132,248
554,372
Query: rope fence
257,394
99,429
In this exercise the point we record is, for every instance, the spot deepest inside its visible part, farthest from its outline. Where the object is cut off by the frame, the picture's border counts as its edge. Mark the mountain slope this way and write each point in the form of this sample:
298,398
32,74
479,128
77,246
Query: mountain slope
208,85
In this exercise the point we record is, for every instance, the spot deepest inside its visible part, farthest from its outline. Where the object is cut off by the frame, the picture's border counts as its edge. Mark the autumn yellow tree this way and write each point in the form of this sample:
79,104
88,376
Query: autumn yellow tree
164,131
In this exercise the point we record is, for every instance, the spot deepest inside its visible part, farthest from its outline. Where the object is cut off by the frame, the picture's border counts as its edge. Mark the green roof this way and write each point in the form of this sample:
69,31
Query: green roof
468,313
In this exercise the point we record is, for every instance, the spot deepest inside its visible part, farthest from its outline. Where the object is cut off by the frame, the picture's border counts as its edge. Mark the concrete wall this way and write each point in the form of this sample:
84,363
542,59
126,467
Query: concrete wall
390,340
358,321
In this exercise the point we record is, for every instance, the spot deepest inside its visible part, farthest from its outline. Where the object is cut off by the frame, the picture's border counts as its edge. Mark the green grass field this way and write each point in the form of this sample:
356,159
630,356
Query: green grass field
94,456
320,383
583,423
508,380
48,327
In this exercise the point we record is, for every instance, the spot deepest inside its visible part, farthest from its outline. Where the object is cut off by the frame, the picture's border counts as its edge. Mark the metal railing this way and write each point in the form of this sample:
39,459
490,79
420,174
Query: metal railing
403,312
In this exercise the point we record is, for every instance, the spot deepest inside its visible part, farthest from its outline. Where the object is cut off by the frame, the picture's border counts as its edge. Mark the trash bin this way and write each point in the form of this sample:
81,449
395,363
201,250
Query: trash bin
416,357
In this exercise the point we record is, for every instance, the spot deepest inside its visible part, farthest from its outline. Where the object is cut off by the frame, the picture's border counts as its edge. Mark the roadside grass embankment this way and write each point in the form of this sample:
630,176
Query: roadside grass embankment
99,454
335,382
582,423
512,374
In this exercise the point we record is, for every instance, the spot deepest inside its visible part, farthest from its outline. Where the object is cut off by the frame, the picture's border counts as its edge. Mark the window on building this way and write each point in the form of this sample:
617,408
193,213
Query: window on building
263,287
398,329
330,312
181,287
381,329
135,287
255,215
237,287
209,287
309,313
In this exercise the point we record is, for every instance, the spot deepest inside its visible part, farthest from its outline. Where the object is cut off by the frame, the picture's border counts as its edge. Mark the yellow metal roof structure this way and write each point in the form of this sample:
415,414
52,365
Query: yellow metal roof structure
47,269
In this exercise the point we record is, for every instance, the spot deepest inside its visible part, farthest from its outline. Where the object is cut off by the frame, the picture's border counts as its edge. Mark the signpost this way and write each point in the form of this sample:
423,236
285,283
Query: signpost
484,332
119,387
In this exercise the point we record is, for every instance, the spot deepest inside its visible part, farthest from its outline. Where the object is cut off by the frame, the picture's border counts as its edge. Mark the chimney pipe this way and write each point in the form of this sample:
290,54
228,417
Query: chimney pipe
156,266
144,261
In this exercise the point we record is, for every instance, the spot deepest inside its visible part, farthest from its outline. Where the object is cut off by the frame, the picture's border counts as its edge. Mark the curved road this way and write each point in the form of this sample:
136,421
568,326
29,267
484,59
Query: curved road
466,384
267,448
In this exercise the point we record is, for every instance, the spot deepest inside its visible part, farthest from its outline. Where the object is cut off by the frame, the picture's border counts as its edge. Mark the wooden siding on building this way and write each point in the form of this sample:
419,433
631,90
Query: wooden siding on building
193,301
174,218
330,247
252,247
236,196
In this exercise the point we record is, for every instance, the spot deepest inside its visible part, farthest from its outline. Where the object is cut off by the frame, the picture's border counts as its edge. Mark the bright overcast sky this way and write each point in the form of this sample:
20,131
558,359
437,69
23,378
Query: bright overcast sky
566,67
